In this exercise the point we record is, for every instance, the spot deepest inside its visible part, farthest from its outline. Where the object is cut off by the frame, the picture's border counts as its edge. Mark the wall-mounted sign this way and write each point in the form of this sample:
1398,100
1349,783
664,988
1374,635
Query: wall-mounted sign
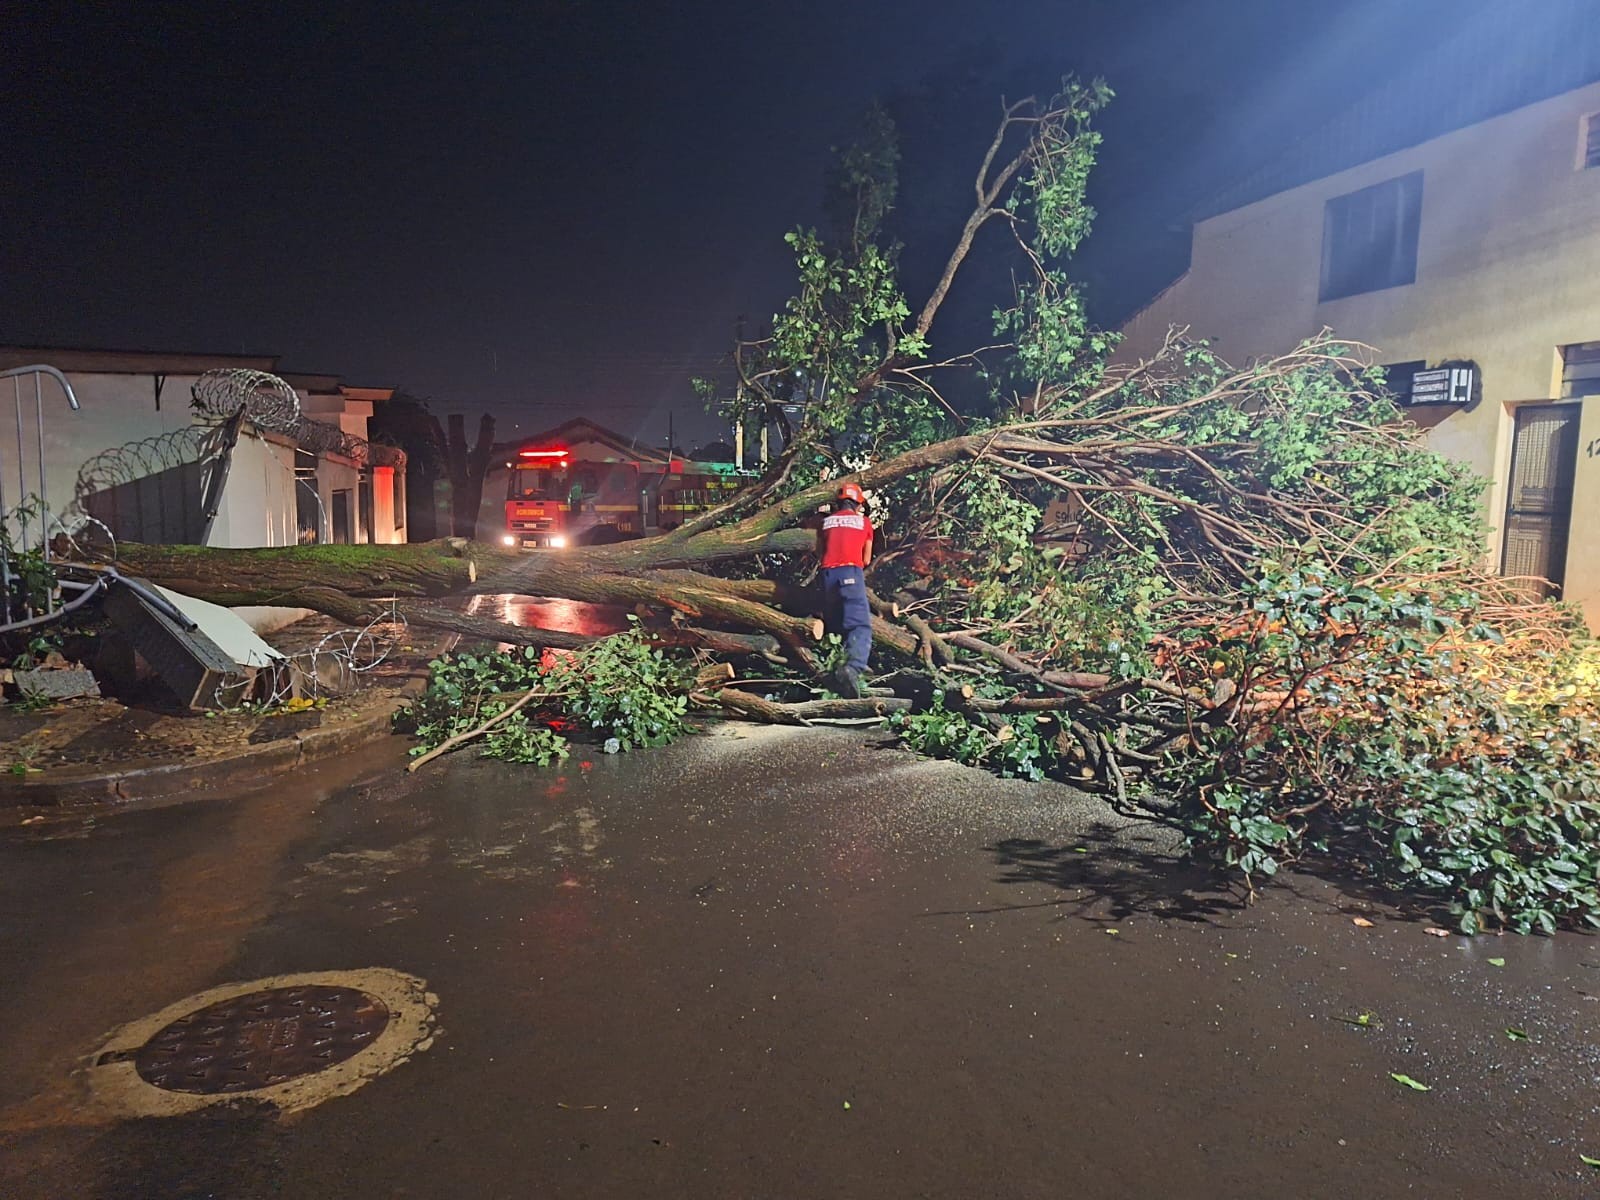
1445,385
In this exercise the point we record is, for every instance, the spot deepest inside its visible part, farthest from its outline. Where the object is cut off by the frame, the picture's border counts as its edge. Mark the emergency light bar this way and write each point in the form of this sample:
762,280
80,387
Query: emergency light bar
541,453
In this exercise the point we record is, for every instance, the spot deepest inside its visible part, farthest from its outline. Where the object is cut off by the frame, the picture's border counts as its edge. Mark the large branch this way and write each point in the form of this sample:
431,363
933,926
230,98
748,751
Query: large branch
989,189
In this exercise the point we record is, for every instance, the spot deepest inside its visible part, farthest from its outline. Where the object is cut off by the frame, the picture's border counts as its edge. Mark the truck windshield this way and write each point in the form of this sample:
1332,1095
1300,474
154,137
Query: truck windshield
537,483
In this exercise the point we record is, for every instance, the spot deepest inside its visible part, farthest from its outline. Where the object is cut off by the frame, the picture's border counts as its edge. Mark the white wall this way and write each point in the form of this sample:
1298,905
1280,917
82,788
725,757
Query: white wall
338,474
114,410
258,503
1508,269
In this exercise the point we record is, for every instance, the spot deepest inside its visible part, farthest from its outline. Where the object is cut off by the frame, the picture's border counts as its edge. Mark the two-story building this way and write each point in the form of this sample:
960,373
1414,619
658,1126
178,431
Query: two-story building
1475,248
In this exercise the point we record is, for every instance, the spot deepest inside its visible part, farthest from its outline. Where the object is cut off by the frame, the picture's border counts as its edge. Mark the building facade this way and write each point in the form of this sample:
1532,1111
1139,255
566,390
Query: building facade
137,456
1477,249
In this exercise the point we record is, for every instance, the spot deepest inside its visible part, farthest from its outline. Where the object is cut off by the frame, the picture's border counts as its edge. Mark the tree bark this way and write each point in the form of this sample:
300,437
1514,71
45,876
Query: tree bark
267,576
467,466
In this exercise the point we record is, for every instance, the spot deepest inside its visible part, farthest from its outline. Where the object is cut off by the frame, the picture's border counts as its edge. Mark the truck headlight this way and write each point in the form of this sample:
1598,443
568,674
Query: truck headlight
558,541
509,539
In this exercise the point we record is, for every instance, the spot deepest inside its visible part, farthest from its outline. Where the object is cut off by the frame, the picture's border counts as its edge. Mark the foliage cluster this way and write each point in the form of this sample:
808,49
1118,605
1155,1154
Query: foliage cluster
30,581
1021,749
619,692
1387,726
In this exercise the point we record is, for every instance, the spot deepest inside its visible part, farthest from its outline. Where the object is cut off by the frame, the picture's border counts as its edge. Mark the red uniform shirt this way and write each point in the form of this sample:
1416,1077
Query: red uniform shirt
844,539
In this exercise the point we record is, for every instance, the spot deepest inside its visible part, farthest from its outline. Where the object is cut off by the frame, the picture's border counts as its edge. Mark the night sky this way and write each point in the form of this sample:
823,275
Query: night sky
561,206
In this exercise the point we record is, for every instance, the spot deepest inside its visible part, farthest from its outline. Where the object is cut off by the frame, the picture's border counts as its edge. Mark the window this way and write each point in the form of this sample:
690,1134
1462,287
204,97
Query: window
1369,238
1591,140
1580,370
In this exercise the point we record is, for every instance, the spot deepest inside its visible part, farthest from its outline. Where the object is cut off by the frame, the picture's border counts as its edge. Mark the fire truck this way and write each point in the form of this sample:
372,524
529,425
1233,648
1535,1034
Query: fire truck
554,500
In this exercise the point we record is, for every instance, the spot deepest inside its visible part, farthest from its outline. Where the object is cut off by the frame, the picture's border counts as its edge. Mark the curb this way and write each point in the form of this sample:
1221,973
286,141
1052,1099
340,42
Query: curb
61,789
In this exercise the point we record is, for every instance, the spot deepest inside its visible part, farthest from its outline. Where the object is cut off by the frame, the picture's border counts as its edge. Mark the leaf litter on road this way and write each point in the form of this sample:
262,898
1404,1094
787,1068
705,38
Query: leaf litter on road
1409,1082
1366,1020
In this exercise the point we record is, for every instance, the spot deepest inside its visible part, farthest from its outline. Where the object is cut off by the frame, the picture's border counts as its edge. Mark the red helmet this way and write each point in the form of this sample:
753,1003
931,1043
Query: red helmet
852,491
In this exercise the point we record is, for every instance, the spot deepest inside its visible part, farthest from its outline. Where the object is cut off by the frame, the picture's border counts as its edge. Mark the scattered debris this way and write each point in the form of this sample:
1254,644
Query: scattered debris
1361,922
70,683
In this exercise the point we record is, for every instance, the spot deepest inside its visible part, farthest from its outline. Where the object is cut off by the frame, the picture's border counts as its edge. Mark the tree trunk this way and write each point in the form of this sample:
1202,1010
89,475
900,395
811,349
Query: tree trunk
422,515
467,466
267,576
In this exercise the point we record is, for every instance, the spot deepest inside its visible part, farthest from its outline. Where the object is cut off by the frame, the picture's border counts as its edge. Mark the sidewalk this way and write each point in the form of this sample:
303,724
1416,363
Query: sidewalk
95,752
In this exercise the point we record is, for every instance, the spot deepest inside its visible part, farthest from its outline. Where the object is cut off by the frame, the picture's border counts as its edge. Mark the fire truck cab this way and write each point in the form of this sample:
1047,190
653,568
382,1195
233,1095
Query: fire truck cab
553,501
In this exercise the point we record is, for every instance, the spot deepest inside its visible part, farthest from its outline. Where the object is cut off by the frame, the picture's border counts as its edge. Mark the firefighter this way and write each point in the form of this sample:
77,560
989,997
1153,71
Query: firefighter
844,548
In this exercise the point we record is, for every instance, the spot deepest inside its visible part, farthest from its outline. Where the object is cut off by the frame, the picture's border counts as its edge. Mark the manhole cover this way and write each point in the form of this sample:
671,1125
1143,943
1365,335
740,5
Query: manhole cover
290,1041
260,1039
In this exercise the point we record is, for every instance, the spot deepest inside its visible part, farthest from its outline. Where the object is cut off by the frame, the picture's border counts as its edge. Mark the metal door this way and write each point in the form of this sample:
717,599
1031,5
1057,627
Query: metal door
1544,462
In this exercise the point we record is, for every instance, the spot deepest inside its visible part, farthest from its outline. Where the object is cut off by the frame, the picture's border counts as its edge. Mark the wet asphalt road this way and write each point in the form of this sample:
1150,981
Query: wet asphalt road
781,964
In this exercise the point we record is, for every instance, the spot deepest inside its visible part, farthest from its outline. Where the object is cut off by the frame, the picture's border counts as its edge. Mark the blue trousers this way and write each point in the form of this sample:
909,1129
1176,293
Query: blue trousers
845,611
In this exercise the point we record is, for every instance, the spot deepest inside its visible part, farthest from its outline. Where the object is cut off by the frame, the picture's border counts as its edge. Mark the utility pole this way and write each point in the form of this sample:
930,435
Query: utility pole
669,435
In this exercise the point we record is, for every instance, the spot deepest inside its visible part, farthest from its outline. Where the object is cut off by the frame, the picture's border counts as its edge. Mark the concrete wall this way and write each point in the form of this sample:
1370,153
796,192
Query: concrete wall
1508,270
258,503
114,411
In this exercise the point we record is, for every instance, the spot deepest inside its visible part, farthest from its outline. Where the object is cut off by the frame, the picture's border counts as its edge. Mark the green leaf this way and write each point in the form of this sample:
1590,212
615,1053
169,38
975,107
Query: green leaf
1516,1035
1590,1162
1409,1082
1497,962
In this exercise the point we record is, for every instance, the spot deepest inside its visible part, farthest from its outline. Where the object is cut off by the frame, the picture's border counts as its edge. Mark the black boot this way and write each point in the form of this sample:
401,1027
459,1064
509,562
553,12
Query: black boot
850,682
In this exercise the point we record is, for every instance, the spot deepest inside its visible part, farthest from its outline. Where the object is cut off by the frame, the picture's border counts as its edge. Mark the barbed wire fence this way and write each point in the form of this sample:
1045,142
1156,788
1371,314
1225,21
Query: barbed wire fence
340,662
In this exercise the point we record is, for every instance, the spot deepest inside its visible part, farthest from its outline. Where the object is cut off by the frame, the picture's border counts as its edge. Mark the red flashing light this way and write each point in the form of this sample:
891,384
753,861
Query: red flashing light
541,453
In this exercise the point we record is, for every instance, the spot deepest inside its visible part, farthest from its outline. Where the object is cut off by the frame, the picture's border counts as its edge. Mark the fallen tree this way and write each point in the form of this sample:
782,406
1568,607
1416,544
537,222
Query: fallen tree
1245,601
